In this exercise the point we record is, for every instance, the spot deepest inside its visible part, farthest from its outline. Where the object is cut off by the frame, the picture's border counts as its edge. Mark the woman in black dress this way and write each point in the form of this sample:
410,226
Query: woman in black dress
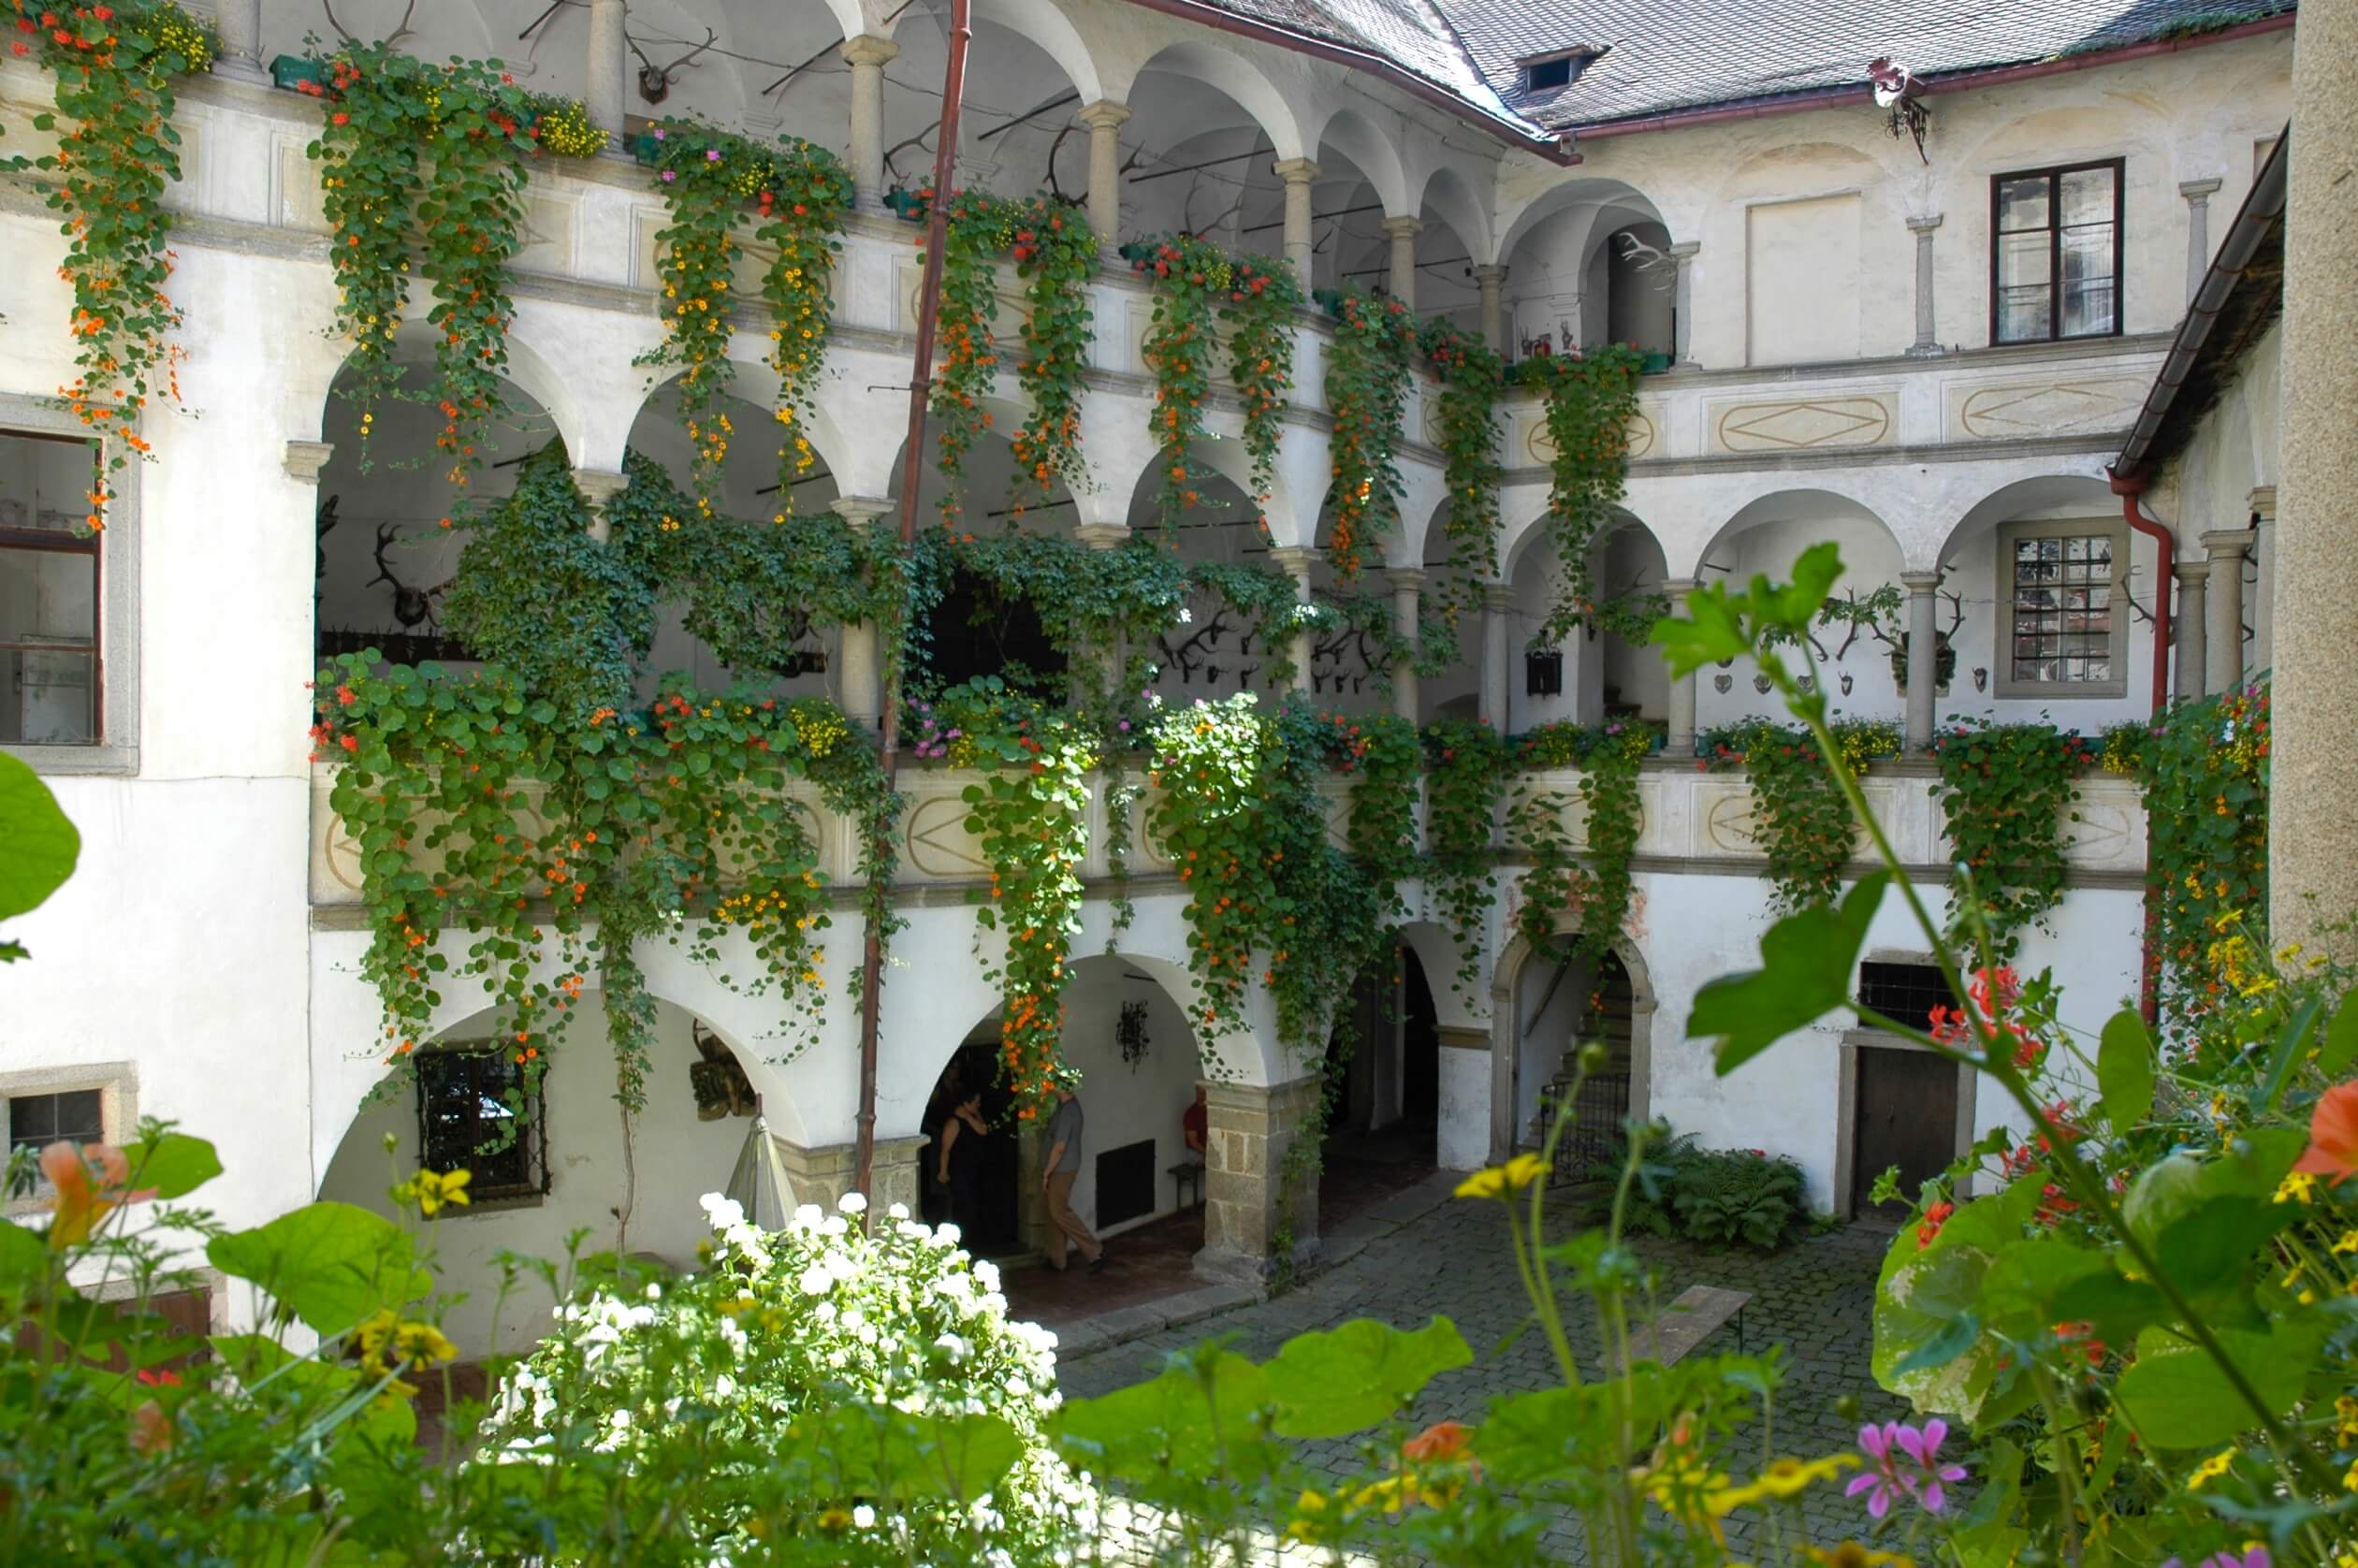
959,1166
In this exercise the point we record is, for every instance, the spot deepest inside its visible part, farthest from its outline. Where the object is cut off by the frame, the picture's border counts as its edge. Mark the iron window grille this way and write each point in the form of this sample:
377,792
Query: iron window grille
2055,254
1903,992
1543,672
474,1113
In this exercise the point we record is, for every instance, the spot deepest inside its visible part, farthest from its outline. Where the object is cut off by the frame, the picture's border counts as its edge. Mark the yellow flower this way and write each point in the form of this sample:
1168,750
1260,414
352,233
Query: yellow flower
430,1190
390,1344
1785,1478
2210,1470
2299,1187
1500,1180
1850,1554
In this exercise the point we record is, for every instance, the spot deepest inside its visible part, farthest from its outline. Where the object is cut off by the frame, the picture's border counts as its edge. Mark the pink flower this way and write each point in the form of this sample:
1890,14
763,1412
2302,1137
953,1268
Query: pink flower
2256,1558
712,154
1905,1461
1924,1448
1883,1481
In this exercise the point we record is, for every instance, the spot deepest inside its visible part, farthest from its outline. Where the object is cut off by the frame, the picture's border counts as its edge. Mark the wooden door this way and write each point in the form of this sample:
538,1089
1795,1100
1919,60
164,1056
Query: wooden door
1904,1114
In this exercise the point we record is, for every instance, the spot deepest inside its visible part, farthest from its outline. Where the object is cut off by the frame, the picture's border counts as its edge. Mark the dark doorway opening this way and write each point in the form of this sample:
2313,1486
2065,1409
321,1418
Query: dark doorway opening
985,1168
1904,1114
1420,1047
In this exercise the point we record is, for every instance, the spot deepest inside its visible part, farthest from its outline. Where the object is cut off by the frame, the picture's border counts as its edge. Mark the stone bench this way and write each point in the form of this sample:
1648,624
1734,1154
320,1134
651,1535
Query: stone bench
1699,1312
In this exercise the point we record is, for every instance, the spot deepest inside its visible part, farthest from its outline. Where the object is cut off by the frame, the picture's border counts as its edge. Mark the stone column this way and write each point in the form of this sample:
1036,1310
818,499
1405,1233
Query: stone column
1497,599
599,486
859,671
2226,548
1248,1131
823,1174
239,24
1923,662
1298,174
1682,299
868,56
1104,119
1296,560
1681,740
2192,661
1927,339
1490,280
609,72
2198,253
2263,551
1401,281
1406,581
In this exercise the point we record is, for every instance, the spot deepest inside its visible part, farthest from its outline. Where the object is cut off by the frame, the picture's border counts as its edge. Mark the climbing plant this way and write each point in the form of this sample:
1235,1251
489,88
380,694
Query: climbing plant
1589,400
1465,777
1197,290
113,68
1367,394
1053,250
1800,820
796,193
1470,377
1593,880
2007,790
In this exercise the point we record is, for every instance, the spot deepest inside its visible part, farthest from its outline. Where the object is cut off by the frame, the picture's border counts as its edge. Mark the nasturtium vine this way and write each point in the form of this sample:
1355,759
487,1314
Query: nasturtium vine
1555,880
1465,772
1197,290
1800,819
1367,372
796,193
1470,377
2006,791
117,150
1588,401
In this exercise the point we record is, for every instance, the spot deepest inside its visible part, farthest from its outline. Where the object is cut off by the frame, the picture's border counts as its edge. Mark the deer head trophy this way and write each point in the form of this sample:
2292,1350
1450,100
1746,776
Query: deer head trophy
411,606
655,80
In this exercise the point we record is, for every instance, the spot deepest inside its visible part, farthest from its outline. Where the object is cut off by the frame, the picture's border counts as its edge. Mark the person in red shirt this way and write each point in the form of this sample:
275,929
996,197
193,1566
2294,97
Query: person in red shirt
1195,1124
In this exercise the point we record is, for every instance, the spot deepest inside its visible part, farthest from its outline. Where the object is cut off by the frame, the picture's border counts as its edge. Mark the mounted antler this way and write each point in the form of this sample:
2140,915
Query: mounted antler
918,141
411,605
323,524
655,80
391,39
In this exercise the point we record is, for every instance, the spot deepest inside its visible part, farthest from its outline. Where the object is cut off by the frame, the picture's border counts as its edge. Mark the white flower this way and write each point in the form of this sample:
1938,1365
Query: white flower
947,1234
958,1349
815,1280
987,1274
654,1292
897,1212
864,1515
725,1386
806,1217
852,1203
723,1214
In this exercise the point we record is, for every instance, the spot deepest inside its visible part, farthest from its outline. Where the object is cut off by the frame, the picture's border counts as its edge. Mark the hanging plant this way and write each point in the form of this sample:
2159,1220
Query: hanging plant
1054,251
1367,394
711,181
1589,401
2203,768
2007,790
1470,377
1030,814
389,118
113,67
1800,820
1197,285
1556,880
1466,769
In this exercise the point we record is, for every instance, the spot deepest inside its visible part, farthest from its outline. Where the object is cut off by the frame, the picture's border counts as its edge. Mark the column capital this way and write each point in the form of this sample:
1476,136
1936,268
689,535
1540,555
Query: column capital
1295,171
2192,571
2264,502
2227,543
1405,579
1679,588
1924,223
1296,558
1498,596
305,459
1404,227
1491,274
1920,582
600,485
1102,536
860,510
1102,115
2199,190
870,49
1685,248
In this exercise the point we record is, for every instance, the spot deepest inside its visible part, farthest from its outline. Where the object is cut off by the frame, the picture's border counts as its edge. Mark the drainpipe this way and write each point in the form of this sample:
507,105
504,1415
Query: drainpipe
2165,547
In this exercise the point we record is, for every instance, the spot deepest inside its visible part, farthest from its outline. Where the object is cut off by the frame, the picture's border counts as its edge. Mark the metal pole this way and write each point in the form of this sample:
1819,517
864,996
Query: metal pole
920,389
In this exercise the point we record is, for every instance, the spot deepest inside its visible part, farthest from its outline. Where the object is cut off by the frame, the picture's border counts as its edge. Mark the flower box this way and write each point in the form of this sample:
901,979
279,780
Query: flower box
1653,364
908,205
294,72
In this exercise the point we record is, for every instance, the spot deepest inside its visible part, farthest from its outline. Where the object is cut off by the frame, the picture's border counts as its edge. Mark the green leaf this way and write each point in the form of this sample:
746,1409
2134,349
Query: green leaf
1357,1376
1796,605
1180,1423
37,844
2289,1052
1954,1339
2124,1071
1711,633
172,1165
868,1450
2341,1039
2203,1217
1808,963
329,1264
23,1259
2179,1396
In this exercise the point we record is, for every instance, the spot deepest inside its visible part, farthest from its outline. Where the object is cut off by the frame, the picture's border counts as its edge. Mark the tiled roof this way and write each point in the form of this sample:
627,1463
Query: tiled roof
1666,55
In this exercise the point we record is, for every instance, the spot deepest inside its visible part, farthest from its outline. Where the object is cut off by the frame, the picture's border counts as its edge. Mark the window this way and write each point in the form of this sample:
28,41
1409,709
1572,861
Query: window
475,1114
2055,262
37,1121
95,1103
1552,72
1903,992
50,663
2064,622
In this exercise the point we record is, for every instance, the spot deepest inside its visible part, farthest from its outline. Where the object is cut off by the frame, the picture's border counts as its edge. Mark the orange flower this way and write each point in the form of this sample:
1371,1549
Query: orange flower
2333,1134
1439,1443
78,1206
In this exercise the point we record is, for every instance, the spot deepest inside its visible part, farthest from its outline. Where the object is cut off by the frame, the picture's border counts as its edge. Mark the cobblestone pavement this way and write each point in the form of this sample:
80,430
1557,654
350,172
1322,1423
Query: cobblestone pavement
1816,1298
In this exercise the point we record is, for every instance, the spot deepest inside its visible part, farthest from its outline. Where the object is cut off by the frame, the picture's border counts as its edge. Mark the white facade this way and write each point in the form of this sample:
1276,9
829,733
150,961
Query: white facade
211,936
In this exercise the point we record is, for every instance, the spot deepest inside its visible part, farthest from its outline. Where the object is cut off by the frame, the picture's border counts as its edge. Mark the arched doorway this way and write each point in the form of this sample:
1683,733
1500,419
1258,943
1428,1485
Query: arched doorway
1560,1007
